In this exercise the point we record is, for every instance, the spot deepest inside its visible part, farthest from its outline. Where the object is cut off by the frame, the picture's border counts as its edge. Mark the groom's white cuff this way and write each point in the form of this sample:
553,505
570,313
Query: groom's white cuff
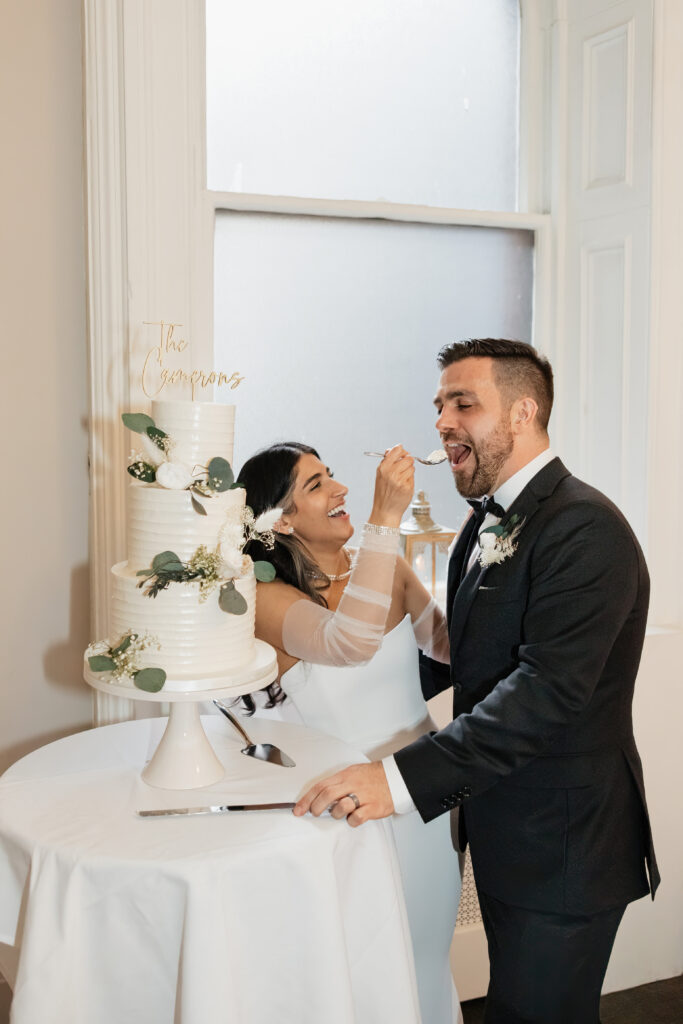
403,801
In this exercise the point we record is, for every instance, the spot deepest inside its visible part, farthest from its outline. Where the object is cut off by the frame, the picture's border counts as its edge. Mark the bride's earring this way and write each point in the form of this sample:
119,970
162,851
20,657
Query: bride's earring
280,527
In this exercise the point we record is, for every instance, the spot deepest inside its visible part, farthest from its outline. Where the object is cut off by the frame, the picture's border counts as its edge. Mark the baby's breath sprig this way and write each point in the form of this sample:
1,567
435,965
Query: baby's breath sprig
204,567
122,659
207,564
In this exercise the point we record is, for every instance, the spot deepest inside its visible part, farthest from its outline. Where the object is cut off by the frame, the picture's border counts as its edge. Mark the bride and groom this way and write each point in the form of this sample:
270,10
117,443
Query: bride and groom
546,611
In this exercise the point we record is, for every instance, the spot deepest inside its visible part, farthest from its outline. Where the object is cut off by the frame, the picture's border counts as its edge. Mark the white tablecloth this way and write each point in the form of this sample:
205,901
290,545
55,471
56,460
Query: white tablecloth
256,918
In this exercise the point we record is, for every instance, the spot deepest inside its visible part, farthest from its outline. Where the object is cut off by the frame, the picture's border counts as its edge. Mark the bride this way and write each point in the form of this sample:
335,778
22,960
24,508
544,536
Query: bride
347,626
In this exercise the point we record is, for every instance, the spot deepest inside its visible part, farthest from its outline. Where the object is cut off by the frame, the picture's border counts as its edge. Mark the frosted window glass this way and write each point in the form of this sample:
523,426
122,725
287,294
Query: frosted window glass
335,325
369,99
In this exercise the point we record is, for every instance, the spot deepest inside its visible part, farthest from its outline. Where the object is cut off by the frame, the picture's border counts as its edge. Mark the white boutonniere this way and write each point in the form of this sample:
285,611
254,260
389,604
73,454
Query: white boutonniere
499,542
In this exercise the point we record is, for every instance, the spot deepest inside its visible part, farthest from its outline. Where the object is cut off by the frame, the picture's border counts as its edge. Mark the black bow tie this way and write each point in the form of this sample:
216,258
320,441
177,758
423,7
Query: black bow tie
483,506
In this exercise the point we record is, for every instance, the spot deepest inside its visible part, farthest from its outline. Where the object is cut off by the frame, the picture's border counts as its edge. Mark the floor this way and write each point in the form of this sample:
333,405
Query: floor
659,1003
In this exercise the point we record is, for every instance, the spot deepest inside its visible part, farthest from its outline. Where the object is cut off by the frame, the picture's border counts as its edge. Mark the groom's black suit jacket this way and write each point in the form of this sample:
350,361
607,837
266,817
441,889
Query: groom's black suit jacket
540,756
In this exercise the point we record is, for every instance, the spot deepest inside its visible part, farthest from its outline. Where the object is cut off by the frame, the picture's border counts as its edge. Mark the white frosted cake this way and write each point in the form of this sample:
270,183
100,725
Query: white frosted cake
198,629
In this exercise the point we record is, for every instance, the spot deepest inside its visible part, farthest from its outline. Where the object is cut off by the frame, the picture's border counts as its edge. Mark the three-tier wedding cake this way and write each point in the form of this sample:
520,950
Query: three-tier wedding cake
182,606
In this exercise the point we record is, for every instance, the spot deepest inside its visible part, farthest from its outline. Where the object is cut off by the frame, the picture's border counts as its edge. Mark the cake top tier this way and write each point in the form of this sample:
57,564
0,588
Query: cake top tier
200,431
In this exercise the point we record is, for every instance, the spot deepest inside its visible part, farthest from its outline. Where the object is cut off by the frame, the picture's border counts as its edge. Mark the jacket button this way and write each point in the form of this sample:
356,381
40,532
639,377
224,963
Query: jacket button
457,687
467,791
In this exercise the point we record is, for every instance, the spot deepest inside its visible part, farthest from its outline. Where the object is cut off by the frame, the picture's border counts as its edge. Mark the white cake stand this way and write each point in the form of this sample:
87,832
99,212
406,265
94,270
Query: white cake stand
184,758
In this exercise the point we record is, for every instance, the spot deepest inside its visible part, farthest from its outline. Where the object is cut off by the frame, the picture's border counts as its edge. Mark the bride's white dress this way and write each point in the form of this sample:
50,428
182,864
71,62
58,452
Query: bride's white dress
378,707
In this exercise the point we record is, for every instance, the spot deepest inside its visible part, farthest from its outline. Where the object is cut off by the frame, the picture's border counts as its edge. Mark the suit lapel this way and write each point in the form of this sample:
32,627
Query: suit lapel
460,598
456,561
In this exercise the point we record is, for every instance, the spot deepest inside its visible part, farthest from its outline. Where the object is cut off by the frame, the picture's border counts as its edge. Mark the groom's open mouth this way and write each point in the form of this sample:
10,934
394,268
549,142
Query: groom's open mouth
458,454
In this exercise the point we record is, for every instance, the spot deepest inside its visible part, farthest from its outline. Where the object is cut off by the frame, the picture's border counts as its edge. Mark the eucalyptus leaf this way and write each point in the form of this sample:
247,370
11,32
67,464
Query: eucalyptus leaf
264,572
221,475
497,530
236,486
145,572
101,663
230,600
156,435
166,560
138,422
143,471
123,646
149,679
197,506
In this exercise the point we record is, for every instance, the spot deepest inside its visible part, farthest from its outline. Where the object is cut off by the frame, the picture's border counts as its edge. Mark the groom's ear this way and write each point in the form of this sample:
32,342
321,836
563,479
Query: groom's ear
523,414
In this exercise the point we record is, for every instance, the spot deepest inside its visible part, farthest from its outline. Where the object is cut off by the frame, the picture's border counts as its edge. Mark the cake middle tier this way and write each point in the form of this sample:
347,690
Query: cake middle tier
164,520
196,637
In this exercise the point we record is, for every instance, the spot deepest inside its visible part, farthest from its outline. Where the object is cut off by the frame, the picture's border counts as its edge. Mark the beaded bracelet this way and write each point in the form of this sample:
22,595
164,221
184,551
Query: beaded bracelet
383,531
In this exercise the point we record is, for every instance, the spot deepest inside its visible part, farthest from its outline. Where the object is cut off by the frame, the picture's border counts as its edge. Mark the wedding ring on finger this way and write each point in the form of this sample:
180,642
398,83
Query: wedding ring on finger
349,796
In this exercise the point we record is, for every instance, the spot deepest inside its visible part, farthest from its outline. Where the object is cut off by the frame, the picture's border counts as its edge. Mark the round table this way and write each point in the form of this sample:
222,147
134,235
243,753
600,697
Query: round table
251,917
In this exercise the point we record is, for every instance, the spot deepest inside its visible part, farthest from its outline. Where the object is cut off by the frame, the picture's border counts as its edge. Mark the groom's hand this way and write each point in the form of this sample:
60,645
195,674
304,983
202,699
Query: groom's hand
369,784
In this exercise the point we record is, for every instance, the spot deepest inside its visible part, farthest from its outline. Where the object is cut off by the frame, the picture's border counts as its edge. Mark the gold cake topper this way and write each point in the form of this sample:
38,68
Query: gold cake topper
155,361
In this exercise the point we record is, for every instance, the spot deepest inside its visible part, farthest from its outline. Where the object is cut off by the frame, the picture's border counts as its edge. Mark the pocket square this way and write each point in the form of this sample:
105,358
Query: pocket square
489,588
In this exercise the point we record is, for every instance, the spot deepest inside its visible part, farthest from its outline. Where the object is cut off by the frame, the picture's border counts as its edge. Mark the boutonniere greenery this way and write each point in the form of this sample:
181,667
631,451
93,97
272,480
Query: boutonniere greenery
499,542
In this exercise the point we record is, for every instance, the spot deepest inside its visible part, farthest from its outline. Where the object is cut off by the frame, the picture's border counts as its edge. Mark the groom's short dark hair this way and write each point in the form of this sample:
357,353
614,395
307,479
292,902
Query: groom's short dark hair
519,369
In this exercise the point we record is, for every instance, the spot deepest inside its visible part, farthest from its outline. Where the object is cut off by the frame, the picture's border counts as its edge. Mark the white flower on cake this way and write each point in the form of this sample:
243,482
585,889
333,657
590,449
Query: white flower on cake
231,541
174,476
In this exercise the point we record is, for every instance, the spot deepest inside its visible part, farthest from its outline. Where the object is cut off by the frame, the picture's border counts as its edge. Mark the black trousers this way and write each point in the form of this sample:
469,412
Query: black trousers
545,968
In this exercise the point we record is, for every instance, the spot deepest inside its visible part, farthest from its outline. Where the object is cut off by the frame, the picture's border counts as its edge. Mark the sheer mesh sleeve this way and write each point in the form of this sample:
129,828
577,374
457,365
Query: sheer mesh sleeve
353,633
431,633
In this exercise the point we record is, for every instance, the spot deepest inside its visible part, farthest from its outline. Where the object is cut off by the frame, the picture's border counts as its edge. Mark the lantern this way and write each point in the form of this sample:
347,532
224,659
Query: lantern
425,546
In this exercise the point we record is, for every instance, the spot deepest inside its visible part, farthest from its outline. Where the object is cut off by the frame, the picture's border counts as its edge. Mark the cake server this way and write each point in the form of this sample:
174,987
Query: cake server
262,751
214,809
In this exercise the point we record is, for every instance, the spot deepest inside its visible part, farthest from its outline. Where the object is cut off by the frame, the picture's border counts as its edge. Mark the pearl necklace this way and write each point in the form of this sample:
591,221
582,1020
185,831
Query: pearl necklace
334,577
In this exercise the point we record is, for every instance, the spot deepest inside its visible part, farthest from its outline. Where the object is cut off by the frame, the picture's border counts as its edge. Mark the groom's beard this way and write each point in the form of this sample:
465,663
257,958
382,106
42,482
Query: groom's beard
489,456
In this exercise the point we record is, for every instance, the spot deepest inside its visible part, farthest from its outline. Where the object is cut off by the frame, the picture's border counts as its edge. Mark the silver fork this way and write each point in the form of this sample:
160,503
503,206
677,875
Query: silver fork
434,458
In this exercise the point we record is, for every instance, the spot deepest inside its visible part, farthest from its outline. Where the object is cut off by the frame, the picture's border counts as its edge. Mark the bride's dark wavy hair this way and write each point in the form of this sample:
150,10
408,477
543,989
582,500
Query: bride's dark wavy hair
269,477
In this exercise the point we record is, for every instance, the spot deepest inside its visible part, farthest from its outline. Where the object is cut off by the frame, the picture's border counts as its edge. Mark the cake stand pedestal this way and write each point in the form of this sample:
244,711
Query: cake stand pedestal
184,758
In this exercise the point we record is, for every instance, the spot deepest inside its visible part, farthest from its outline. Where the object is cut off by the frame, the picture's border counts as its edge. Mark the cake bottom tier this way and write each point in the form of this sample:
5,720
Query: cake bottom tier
197,640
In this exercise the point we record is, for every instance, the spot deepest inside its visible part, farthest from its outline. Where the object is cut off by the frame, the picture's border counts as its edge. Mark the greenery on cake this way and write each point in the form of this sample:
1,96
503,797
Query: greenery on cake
122,660
155,464
217,568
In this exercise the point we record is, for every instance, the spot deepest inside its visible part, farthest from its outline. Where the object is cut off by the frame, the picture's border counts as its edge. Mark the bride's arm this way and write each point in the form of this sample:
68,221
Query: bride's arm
429,621
352,633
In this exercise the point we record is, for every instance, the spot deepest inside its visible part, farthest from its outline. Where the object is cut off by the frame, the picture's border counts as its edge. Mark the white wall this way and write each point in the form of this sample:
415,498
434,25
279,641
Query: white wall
44,511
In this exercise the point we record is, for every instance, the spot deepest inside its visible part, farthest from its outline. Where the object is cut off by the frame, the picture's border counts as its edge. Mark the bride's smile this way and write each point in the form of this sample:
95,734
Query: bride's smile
318,513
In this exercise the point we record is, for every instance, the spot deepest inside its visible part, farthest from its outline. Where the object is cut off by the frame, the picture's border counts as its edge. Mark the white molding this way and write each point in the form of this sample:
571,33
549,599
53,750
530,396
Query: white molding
557,148
534,112
107,309
665,476
149,237
353,208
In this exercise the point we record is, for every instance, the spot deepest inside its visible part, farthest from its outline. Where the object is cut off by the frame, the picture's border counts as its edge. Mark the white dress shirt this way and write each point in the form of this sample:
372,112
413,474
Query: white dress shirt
505,495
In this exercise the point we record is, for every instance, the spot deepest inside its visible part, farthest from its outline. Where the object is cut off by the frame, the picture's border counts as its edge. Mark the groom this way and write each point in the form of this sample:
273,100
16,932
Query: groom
546,616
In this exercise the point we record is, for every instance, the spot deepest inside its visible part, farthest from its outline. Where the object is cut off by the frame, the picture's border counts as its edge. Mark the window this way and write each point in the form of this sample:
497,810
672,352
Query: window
333,315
